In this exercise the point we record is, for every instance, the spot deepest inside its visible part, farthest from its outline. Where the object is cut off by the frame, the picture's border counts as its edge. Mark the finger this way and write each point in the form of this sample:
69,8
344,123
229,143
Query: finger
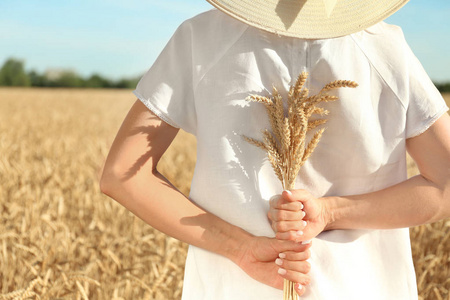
300,289
285,215
284,226
284,246
295,276
297,256
300,266
274,199
278,202
296,236
291,206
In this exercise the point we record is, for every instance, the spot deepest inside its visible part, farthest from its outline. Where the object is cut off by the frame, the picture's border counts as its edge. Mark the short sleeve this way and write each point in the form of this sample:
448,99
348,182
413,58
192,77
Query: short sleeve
167,87
425,103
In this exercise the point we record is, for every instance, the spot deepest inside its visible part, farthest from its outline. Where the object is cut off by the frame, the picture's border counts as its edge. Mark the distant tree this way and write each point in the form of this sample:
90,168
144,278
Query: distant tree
443,87
37,79
127,83
97,81
13,73
67,79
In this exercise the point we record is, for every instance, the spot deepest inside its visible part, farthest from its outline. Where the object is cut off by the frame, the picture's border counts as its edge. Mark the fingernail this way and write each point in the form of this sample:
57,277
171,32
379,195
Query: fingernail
299,232
305,223
282,271
282,255
278,261
289,192
306,242
298,286
301,206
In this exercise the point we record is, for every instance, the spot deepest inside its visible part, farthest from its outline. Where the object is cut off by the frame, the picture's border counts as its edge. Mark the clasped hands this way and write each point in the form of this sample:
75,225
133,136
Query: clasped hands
296,216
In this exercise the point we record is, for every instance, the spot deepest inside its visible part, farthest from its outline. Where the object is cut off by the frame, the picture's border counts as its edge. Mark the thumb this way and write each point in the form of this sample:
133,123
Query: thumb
297,195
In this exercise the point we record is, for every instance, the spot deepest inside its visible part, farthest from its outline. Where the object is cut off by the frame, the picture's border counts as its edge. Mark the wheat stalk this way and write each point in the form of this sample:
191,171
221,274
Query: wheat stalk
285,144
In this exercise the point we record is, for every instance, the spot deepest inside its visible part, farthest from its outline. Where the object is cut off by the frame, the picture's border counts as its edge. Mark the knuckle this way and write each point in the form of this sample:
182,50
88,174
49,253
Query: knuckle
280,215
274,226
297,206
286,236
307,267
276,201
280,226
306,280
292,235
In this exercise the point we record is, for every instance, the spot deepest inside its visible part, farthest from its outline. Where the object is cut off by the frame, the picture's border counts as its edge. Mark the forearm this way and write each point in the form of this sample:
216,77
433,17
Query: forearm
153,199
413,202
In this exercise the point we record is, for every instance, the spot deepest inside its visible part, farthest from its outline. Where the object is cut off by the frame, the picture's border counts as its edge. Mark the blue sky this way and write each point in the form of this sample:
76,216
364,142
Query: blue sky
122,38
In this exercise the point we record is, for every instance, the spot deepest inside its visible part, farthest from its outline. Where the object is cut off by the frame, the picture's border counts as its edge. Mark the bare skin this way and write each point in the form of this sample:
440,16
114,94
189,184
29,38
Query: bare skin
422,199
131,178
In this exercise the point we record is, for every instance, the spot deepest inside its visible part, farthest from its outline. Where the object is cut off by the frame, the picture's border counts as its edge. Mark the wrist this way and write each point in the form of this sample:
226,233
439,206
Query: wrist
234,243
329,212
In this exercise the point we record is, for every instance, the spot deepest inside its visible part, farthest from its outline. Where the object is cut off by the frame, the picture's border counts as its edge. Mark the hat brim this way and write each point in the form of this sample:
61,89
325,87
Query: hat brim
308,18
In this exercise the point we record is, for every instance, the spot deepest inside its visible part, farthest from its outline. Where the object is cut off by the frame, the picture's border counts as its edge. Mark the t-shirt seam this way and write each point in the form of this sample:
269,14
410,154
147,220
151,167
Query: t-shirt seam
219,59
152,106
378,72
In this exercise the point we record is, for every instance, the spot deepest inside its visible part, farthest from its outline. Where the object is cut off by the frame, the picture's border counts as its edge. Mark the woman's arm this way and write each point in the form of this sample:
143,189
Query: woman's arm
422,199
131,178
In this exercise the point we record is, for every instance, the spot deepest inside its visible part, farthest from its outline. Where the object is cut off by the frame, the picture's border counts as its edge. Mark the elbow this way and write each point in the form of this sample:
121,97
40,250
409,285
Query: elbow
446,206
109,181
104,185
437,207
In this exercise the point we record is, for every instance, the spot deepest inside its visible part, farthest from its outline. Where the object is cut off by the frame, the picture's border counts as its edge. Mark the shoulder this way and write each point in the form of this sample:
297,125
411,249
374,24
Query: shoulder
208,36
386,30
383,41
388,53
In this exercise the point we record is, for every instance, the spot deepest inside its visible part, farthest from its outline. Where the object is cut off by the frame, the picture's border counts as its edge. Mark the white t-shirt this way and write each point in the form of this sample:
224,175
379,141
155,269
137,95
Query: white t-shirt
199,83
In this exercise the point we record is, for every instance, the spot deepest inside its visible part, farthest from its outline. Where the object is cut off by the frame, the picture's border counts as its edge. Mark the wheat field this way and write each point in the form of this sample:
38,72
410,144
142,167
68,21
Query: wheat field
60,238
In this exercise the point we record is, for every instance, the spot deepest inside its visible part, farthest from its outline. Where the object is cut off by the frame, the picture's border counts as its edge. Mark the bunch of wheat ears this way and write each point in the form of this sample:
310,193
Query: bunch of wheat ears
286,144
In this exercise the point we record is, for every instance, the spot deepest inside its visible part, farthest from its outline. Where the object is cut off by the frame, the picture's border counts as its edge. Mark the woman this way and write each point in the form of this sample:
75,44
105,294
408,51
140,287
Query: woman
200,82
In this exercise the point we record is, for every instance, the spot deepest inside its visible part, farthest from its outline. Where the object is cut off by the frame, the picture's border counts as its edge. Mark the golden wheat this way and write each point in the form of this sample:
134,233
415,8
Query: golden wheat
57,228
285,144
60,238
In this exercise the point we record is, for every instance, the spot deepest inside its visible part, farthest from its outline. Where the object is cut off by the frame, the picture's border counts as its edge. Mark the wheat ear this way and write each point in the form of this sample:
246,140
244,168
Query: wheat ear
286,145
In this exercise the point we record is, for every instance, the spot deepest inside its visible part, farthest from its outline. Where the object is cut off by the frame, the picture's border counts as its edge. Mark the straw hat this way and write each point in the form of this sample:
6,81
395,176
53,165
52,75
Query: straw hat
310,19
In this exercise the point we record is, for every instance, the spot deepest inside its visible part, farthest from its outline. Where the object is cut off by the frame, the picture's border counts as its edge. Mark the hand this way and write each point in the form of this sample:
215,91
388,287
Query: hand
297,215
269,261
